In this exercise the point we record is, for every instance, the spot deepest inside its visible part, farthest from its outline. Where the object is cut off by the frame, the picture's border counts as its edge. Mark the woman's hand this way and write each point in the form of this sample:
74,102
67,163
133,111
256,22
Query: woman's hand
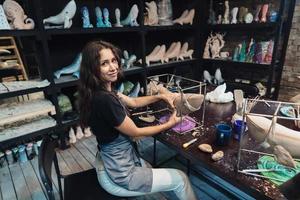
169,98
174,119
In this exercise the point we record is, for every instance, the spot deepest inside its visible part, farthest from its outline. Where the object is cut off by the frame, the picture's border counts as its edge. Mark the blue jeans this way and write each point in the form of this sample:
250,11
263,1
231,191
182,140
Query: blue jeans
164,180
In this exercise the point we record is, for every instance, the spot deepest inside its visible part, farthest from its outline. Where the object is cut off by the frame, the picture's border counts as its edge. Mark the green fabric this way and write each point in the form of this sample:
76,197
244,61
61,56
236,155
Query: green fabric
285,173
127,87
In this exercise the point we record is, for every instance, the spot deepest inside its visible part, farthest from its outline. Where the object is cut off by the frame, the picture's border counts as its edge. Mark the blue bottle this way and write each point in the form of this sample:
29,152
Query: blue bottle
22,154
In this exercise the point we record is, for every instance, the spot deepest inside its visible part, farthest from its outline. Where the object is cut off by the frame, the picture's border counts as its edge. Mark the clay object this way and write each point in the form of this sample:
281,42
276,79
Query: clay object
251,51
64,17
79,133
99,17
165,12
186,18
135,90
159,56
4,25
234,13
106,18
268,56
86,18
152,17
205,148
87,132
248,18
129,62
218,77
257,12
219,21
15,14
216,44
182,16
218,155
242,55
212,14
242,13
74,67
118,16
236,53
206,53
188,103
148,118
184,52
173,51
187,144
226,13
207,77
284,157
131,19
257,58
72,137
264,12
288,138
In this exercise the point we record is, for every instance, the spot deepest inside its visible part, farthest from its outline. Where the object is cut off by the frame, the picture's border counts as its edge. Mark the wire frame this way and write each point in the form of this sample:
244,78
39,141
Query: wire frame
250,150
181,85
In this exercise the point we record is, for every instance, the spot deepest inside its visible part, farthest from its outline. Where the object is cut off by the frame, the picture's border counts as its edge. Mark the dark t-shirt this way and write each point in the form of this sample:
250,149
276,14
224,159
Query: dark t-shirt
107,112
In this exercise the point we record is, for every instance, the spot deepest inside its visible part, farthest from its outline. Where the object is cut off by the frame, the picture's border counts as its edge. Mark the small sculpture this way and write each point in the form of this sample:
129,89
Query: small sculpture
72,68
207,77
248,18
3,20
86,18
186,17
72,137
284,157
268,56
156,55
165,12
219,21
257,58
224,54
217,156
151,18
226,13
99,17
16,16
264,12
257,12
135,90
251,50
106,18
184,52
79,133
234,13
131,19
205,148
218,77
242,13
64,17
216,44
148,118
173,51
212,14
206,49
118,15
128,61
242,54
87,132
236,53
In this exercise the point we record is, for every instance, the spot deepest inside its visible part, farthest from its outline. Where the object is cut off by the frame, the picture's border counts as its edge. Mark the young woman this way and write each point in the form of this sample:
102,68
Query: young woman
120,171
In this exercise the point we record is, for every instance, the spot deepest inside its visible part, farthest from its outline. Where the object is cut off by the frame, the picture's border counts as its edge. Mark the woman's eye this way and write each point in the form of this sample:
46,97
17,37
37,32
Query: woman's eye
114,60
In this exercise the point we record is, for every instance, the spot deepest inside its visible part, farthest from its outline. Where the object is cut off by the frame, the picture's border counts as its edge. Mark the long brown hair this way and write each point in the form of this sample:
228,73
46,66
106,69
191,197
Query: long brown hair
90,74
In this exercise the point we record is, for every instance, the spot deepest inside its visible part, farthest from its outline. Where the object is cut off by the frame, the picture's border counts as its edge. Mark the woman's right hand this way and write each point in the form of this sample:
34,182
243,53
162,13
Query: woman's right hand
174,119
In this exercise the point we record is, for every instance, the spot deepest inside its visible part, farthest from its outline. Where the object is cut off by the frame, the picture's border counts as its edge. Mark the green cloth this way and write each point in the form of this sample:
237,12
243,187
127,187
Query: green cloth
127,87
285,173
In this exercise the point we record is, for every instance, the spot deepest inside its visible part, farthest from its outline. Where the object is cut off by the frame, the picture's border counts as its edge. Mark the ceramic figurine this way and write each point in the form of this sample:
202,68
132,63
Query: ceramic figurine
79,133
226,13
268,56
4,25
99,17
187,17
15,14
250,51
218,77
257,12
234,13
86,18
64,18
158,56
264,12
216,44
207,77
206,49
182,16
257,58
173,51
165,12
152,18
135,90
131,19
212,15
242,55
264,49
242,13
219,21
273,16
236,54
248,18
153,53
72,68
224,54
106,17
72,137
118,16
87,132
184,52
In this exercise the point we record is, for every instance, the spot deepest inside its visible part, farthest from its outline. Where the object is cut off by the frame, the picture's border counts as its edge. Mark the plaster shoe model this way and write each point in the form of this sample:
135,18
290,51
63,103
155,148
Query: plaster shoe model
264,12
72,137
234,13
207,77
152,18
216,44
64,17
86,18
106,18
15,14
173,51
279,135
257,12
79,133
72,68
118,16
218,77
159,56
99,17
206,54
184,52
131,19
242,12
4,25
153,53
188,103
182,16
226,13
87,132
189,18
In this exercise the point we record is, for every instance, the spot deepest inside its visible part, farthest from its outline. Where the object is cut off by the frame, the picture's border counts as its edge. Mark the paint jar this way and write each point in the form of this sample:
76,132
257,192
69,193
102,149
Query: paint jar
22,154
9,157
239,127
223,134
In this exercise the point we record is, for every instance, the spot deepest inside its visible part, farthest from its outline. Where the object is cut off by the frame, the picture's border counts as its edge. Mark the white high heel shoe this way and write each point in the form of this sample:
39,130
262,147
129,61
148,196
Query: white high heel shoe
184,52
159,56
189,18
182,16
153,53
173,51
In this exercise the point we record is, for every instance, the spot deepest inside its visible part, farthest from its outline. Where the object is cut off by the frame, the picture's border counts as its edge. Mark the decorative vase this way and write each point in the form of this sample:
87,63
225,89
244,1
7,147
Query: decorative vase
165,13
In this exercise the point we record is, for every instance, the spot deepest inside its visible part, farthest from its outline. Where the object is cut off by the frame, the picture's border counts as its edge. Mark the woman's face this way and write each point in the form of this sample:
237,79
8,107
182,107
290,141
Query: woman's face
109,66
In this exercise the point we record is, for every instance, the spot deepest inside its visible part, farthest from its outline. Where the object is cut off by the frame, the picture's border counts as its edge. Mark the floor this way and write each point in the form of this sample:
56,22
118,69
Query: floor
22,181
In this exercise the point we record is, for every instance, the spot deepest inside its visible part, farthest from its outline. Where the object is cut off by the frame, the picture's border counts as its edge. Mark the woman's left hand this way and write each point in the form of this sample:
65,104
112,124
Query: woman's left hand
169,98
